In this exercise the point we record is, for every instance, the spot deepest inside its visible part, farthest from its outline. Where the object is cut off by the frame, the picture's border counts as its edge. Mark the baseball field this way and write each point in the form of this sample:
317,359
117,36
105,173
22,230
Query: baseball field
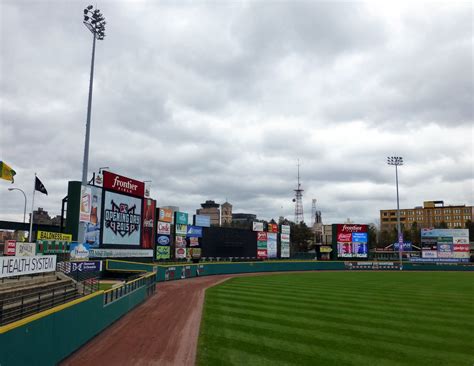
340,318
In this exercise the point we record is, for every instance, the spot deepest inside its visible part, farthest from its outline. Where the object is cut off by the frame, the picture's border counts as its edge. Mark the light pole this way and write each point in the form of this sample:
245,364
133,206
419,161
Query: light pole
397,161
24,195
95,22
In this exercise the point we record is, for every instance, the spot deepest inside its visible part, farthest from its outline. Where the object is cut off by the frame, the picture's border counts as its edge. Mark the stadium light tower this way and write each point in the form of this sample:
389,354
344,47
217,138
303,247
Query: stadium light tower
95,22
397,161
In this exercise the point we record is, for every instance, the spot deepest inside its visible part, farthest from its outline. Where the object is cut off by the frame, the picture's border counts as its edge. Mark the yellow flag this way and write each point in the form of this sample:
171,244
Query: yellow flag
6,172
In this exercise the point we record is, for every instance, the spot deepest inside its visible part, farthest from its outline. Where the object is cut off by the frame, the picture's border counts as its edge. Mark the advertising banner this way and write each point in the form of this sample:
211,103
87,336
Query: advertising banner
431,232
86,203
351,228
120,253
261,244
122,219
285,229
406,246
325,249
180,242
461,255
119,183
194,231
17,266
461,248
163,240
165,215
262,236
163,228
262,253
359,237
74,267
439,260
162,252
25,249
180,253
272,228
10,247
181,218
344,237
285,250
285,237
272,245
181,229
429,254
202,220
359,250
92,226
194,253
148,232
47,235
257,226
344,250
457,240
193,242
79,251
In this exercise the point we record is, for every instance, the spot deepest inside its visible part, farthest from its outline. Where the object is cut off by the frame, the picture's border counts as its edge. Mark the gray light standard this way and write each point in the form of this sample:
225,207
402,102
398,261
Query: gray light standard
397,160
24,195
95,22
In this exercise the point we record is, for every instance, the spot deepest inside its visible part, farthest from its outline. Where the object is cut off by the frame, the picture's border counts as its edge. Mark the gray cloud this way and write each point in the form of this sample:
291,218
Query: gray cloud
218,101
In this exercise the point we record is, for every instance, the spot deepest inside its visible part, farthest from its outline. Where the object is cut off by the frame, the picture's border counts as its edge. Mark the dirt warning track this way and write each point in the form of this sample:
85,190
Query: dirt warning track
162,331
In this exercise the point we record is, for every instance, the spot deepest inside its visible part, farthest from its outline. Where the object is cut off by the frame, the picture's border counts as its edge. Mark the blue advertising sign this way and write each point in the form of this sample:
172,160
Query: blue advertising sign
73,267
163,240
194,232
202,220
359,237
406,246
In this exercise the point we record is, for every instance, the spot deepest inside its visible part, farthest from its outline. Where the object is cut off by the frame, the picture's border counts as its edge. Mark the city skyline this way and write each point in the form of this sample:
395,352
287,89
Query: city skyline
219,101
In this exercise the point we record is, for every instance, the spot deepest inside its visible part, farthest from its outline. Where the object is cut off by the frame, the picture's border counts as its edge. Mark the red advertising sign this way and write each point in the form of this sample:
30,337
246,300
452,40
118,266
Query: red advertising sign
272,228
148,217
261,236
351,228
262,253
165,214
119,183
461,247
344,238
10,247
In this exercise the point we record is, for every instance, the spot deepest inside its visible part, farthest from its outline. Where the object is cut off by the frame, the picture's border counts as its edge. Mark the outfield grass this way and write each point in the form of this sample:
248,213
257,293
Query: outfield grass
340,318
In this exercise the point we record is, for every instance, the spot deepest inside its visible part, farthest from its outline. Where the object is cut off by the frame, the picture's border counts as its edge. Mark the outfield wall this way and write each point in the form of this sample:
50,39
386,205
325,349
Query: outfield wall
50,336
176,272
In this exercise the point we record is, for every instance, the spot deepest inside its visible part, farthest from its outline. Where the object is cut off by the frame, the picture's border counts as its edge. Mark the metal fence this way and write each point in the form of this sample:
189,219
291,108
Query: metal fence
116,293
19,307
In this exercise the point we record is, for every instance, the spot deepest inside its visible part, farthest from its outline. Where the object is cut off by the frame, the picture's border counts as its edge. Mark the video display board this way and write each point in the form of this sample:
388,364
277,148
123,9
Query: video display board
122,219
351,240
445,244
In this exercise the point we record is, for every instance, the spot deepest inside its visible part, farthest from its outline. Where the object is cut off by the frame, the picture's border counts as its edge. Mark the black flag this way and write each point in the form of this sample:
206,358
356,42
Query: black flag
40,186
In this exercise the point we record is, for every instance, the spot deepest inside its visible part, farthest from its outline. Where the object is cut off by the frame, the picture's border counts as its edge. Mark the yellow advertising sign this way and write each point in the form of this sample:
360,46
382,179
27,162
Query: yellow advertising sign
325,249
47,235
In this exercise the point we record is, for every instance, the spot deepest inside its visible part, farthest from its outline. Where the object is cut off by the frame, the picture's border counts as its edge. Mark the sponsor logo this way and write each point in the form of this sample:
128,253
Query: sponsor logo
344,237
121,219
123,184
262,236
352,228
163,240
163,228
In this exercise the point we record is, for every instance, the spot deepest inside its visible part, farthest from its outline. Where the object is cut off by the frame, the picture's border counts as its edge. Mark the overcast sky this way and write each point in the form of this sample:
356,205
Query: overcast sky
218,100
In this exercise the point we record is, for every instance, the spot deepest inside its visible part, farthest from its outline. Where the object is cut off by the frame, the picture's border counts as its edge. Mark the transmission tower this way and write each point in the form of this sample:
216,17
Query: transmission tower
298,200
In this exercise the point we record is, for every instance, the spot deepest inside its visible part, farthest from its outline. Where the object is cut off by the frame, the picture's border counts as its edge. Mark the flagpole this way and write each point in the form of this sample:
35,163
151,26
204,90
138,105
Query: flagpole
32,208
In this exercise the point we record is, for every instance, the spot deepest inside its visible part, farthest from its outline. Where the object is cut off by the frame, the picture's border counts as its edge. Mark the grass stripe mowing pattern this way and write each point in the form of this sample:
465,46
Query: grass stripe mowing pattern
340,318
